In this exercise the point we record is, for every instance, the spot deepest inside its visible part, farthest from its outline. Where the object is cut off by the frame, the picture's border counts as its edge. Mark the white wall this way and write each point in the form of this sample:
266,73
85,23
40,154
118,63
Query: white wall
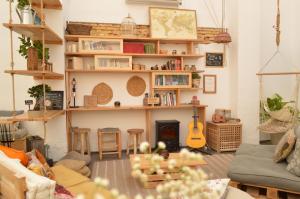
249,22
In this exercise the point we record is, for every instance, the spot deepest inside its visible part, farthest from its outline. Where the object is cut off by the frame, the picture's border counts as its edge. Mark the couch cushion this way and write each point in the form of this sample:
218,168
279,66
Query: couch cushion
75,165
74,155
262,171
285,146
265,151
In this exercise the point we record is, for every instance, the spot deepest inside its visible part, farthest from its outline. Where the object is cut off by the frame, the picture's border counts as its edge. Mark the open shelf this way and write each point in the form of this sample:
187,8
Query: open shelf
37,74
174,89
130,71
48,115
48,4
85,54
35,32
136,39
112,108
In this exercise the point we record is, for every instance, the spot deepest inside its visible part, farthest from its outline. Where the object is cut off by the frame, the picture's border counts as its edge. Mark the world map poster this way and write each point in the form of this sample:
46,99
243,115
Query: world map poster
173,23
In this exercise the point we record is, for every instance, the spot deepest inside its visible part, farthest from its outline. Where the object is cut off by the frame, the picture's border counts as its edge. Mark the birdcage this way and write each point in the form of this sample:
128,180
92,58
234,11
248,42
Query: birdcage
128,27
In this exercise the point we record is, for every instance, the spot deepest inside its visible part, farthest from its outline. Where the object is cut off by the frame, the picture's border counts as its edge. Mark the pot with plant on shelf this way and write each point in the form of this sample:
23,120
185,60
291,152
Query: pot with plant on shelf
196,80
33,52
37,92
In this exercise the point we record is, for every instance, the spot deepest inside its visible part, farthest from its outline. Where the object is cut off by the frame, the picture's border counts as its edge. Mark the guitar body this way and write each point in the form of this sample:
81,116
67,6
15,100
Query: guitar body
195,138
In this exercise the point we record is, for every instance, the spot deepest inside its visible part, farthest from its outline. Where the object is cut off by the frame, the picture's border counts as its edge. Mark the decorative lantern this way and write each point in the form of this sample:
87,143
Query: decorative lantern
223,37
128,27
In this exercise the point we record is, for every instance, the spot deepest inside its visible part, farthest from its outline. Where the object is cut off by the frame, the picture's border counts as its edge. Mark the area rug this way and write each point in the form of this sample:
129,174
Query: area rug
118,172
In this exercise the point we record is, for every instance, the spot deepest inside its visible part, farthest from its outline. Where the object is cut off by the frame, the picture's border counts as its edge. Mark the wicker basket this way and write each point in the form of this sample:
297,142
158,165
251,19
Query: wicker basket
224,136
78,29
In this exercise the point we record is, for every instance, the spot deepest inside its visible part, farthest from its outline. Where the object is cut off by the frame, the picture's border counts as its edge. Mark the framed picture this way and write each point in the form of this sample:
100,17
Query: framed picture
55,100
214,59
173,23
210,84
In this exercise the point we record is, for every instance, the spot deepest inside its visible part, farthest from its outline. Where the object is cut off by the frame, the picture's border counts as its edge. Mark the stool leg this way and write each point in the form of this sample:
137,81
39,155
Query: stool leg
119,145
101,144
82,143
134,143
88,143
98,143
128,144
75,142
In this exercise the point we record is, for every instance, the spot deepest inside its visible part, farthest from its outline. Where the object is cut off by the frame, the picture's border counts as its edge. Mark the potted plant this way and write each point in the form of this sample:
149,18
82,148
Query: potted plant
33,52
37,92
196,80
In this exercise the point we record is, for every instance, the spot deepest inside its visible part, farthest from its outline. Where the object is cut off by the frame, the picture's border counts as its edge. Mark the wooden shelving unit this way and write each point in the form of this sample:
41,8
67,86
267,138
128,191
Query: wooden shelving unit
37,74
46,35
190,54
35,32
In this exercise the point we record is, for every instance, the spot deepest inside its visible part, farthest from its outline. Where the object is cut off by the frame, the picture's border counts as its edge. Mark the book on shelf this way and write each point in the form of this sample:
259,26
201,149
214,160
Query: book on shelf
168,98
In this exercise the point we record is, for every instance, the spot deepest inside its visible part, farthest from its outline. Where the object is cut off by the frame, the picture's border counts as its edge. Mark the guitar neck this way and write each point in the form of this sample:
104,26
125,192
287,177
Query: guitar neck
195,116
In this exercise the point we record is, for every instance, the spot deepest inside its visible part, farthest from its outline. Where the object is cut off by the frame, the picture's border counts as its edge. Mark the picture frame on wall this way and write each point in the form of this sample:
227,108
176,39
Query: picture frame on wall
210,84
214,59
172,23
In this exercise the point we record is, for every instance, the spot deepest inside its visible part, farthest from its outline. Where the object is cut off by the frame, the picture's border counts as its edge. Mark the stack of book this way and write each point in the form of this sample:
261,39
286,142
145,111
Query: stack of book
168,99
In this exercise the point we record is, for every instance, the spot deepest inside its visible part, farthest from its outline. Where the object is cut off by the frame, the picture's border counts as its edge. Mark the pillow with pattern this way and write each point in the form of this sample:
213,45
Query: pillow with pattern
285,146
294,165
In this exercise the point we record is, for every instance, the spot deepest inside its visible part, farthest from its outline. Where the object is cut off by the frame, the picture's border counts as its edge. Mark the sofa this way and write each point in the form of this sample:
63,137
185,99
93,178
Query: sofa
254,165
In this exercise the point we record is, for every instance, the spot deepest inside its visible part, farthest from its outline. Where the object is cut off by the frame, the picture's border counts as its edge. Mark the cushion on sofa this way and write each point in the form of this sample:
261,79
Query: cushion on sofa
39,187
15,154
285,146
294,165
262,171
264,151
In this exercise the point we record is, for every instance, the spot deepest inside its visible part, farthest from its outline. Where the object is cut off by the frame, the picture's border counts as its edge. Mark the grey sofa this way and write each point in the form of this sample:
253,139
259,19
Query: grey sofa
254,165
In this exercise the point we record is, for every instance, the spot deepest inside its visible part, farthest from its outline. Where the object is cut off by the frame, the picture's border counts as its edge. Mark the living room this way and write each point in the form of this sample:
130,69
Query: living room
122,72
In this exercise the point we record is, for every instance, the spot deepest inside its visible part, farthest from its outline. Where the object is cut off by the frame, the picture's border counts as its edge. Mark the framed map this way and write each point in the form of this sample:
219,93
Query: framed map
173,23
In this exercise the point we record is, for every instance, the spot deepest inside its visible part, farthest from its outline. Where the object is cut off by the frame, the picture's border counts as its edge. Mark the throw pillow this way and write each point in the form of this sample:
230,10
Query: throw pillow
285,146
15,154
74,155
294,165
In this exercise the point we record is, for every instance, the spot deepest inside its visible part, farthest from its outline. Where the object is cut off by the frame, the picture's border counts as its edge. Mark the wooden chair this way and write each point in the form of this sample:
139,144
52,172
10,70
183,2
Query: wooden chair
109,142
82,136
134,138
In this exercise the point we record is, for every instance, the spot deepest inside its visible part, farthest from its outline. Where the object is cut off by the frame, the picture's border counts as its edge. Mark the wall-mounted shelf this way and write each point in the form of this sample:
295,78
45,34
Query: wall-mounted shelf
91,54
48,4
37,74
131,71
48,115
35,32
112,108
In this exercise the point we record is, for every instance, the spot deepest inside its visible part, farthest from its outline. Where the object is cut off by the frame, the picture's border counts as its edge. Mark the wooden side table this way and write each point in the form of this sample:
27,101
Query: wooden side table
224,136
134,135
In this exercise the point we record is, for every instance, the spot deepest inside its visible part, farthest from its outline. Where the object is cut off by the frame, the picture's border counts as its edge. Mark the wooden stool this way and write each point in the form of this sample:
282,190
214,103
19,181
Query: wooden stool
82,135
109,142
135,136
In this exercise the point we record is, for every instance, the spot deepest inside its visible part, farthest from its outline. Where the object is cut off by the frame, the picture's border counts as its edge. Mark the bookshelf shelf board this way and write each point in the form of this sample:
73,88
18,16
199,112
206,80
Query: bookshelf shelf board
48,4
175,89
130,71
35,32
112,108
37,74
135,55
48,115
137,39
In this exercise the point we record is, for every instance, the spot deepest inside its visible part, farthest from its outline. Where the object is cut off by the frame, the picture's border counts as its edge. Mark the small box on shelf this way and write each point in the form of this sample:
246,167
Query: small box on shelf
107,62
75,63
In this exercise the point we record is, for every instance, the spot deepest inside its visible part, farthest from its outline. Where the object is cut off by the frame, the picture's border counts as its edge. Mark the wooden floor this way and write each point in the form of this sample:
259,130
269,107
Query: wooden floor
118,172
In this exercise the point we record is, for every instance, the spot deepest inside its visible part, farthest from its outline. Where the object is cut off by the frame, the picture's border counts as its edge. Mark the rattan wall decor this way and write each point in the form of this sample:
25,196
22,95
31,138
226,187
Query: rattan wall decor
136,86
103,92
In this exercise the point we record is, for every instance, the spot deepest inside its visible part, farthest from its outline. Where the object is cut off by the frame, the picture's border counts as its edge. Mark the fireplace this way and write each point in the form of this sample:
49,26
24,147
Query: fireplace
167,131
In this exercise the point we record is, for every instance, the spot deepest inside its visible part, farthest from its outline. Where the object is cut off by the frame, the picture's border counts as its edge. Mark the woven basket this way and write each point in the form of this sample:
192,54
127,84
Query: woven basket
78,29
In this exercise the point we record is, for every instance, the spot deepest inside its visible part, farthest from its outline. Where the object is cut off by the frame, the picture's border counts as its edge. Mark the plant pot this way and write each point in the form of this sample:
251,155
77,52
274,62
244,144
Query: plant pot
196,83
32,59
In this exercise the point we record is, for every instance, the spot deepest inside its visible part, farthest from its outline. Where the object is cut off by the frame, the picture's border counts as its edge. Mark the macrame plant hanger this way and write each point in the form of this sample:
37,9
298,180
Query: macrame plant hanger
283,120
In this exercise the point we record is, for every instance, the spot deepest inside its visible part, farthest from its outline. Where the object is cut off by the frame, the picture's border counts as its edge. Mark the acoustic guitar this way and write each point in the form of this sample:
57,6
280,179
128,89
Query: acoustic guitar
195,138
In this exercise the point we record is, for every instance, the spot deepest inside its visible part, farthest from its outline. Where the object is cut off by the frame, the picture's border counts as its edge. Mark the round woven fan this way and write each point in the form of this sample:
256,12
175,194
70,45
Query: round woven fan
103,92
136,86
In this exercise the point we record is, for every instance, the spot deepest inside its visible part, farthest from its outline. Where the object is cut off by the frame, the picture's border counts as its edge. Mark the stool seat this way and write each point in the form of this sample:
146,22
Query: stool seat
112,145
134,135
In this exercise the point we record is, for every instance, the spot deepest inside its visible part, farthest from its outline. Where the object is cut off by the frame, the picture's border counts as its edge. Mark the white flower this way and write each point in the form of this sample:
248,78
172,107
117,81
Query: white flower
105,182
149,197
184,153
143,178
137,159
139,196
122,197
80,196
136,166
159,188
160,172
98,196
136,173
144,146
97,180
114,192
171,164
161,145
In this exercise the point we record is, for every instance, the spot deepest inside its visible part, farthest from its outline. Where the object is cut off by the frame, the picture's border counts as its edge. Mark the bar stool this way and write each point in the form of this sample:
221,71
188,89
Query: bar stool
109,142
81,135
134,135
